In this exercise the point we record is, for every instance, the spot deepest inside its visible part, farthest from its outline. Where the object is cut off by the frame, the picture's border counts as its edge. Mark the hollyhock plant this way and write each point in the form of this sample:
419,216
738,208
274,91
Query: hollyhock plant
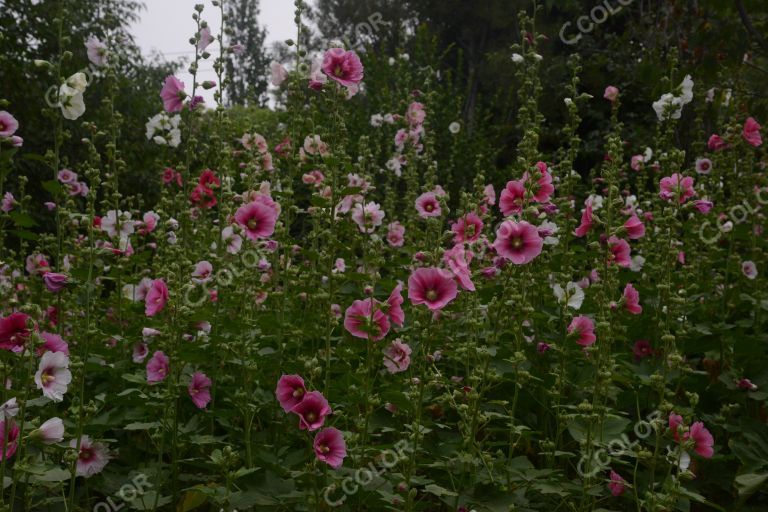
543,188
290,391
8,124
583,329
642,349
518,242
467,229
394,304
632,300
395,234
7,203
92,458
749,269
14,332
343,67
397,357
611,93
586,222
52,343
458,259
9,438
55,282
156,298
716,143
367,217
53,375
206,38
703,165
330,447
312,411
258,219
751,132
428,205
512,197
365,319
157,367
50,432
617,484
619,252
173,94
635,228
199,390
97,51
702,439
431,287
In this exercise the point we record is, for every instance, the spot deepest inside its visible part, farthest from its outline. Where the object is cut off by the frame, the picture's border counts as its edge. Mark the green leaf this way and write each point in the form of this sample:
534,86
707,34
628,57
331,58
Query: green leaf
142,426
748,483
23,220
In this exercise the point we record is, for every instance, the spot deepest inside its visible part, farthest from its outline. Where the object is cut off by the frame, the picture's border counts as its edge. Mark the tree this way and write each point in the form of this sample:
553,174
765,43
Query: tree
246,70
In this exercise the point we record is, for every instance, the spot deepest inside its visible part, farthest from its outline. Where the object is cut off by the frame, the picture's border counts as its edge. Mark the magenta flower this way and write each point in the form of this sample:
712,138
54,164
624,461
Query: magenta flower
716,143
395,234
55,282
157,367
619,252
8,124
616,485
397,357
156,299
543,188
53,375
312,411
14,332
583,328
586,222
258,219
635,227
676,186
703,205
458,260
428,205
200,390
173,94
343,66
518,242
512,197
7,203
751,132
702,439
432,287
467,229
9,438
364,319
93,457
330,447
394,306
632,300
53,343
290,391
641,349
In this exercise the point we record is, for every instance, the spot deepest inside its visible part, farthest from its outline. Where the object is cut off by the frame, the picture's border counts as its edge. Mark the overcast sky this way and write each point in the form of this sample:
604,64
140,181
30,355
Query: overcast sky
167,25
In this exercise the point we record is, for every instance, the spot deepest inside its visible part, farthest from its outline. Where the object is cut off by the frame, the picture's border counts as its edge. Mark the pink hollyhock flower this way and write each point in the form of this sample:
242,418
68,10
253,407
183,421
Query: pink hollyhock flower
258,219
364,320
432,287
7,203
8,124
751,132
512,197
702,438
17,141
37,264
156,299
632,300
543,188
675,422
395,234
173,94
746,384
93,457
170,176
636,163
586,222
518,242
14,332
416,114
330,447
50,432
397,357
96,50
312,411
583,328
703,165
140,352
676,186
150,220
428,205
716,143
9,409
641,349
55,282
620,252
206,38
611,93
749,269
616,485
681,257
66,177
394,306
704,206
367,217
157,367
489,195
635,227
458,260
200,390
542,347
290,391
277,73
467,229
343,66
52,343
53,375
232,240
203,271
9,439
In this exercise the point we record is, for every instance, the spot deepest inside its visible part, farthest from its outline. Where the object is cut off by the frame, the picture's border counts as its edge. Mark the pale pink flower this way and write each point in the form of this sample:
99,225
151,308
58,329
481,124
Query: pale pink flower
52,343
290,391
157,367
432,287
364,319
416,114
489,195
206,38
583,329
53,375
395,234
343,66
330,447
203,272
632,300
636,163
93,457
397,357
312,411
8,124
278,73
428,205
703,165
55,282
7,203
518,242
751,132
749,269
140,352
50,432
173,94
199,390
96,50
611,93
156,298
233,241
367,217
458,260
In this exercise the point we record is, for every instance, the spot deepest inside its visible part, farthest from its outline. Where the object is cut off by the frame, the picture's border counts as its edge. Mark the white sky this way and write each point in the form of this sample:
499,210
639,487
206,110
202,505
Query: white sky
167,25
